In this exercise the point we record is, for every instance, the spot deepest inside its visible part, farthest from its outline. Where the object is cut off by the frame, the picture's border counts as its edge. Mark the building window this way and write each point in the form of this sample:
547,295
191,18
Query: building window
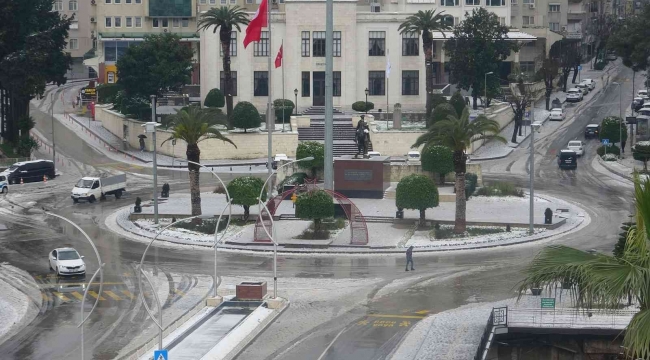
203,2
176,22
165,22
554,26
377,83
222,82
138,1
377,43
212,2
448,20
129,21
117,1
528,1
108,1
233,45
128,1
502,21
72,5
449,3
109,21
74,44
495,2
249,1
527,67
262,47
58,5
513,2
473,2
304,45
260,83
305,84
185,22
336,44
155,23
528,20
224,2
336,91
233,2
74,25
410,82
319,44
554,8
410,44
138,22
118,21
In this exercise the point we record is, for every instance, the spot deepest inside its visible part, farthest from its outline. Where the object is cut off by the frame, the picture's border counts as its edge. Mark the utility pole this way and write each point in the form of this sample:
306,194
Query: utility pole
329,106
270,126
53,143
151,128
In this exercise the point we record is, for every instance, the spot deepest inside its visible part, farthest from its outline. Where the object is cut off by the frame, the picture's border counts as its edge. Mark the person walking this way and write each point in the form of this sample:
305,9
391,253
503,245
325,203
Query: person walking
141,144
409,258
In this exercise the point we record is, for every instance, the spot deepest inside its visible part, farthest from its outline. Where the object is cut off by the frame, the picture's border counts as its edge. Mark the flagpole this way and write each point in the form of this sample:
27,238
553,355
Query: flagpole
283,98
269,120
328,171
387,85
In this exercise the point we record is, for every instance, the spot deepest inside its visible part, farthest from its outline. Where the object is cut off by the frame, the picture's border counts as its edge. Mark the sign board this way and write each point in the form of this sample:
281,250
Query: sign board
605,142
89,91
357,175
294,197
527,115
548,303
630,120
160,355
579,67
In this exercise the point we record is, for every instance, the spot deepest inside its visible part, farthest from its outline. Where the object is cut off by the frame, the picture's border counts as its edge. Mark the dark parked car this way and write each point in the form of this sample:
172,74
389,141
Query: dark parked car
29,171
567,159
591,131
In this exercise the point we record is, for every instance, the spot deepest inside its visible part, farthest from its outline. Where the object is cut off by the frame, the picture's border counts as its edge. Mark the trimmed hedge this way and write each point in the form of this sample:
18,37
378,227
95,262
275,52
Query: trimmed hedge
360,106
613,149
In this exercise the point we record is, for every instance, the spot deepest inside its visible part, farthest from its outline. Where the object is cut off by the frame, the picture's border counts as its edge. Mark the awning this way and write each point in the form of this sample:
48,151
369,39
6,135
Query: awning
93,63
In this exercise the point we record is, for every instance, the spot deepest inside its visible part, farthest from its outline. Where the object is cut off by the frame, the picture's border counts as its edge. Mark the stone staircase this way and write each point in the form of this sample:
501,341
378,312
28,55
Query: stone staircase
319,110
344,133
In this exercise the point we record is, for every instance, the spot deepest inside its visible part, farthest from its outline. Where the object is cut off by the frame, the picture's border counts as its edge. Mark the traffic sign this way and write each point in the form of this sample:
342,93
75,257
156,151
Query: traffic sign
527,115
548,303
579,67
160,355
630,120
605,142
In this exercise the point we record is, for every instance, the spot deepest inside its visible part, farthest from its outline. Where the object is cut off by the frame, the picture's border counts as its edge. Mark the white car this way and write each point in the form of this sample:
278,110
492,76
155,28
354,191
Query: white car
590,83
557,114
372,154
642,93
645,110
574,94
277,159
576,146
413,157
584,87
67,261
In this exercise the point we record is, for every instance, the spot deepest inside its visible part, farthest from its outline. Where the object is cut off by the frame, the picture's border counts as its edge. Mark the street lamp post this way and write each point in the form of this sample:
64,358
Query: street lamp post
272,236
366,106
150,128
485,85
295,95
620,113
53,143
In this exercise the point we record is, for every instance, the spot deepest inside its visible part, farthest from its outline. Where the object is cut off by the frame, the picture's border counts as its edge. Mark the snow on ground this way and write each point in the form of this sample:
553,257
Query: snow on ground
423,238
185,234
20,300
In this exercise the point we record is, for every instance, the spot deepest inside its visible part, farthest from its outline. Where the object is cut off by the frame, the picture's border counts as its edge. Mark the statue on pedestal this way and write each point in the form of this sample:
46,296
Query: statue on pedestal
362,137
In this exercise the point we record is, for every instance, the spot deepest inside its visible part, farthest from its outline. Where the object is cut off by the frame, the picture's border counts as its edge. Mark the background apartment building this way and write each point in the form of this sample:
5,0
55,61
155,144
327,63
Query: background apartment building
80,36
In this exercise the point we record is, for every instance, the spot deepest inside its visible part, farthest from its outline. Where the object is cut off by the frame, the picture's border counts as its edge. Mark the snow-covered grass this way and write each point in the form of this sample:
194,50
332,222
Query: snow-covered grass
20,300
180,233
425,238
609,157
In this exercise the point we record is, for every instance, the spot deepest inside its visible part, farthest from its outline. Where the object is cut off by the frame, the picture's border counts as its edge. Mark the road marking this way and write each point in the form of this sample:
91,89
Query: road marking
332,343
46,285
77,295
363,322
422,312
112,295
60,296
179,293
397,316
405,324
95,295
128,294
383,323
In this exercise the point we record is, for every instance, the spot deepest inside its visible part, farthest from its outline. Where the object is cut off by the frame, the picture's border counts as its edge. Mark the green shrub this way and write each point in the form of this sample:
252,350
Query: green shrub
458,102
437,99
471,180
612,149
205,226
107,93
442,112
279,105
499,188
215,99
26,145
611,128
600,65
245,116
641,152
360,106
244,191
417,192
315,205
438,159
293,179
315,150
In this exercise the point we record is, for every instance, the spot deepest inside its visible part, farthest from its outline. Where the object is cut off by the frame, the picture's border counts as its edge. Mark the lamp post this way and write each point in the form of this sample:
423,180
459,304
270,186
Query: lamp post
366,107
485,85
53,143
295,95
272,236
99,271
620,113
150,128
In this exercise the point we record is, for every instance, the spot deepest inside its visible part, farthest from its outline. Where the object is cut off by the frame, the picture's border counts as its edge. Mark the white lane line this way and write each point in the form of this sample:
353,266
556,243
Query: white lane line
332,343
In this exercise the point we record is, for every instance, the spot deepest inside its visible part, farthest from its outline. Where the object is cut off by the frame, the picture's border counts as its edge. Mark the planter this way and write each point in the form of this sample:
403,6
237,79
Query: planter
251,290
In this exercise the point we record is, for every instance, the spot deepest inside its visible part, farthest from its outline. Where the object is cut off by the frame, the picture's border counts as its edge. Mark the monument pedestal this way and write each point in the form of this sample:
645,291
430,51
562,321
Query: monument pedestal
362,178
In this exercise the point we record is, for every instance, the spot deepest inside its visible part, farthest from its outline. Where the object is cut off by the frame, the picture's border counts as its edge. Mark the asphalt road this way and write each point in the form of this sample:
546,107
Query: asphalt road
367,330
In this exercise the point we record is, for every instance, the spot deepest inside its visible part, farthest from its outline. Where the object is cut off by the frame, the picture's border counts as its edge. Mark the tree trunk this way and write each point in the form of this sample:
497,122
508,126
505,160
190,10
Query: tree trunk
422,216
548,102
194,154
460,167
427,45
442,179
514,133
474,104
224,37
246,212
575,74
317,225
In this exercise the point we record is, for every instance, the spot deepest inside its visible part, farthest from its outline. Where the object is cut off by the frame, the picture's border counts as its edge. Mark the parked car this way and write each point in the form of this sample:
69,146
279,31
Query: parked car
557,114
589,82
584,88
29,171
643,93
67,261
645,110
574,95
567,159
413,157
576,146
637,103
4,185
93,188
277,159
372,154
591,131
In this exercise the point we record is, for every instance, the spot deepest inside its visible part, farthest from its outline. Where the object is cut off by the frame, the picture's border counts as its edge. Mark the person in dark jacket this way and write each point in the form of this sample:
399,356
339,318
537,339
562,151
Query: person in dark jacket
409,258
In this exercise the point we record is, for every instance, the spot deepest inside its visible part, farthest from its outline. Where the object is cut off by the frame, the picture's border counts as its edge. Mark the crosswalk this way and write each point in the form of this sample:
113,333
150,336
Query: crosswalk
76,296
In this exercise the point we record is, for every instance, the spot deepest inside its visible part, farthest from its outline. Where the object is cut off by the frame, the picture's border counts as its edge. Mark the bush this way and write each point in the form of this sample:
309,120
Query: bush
287,105
612,149
441,112
610,128
245,116
438,159
500,189
600,65
458,102
315,205
471,180
107,93
25,124
360,106
205,226
609,157
26,145
416,192
215,98
244,191
315,150
641,152
293,179
437,99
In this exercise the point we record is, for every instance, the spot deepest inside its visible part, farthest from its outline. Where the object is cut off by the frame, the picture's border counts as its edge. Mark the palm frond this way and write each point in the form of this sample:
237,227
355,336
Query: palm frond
637,336
193,124
223,16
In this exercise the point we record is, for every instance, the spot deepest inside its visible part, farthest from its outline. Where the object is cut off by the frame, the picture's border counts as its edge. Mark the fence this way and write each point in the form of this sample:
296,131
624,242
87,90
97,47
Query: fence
569,318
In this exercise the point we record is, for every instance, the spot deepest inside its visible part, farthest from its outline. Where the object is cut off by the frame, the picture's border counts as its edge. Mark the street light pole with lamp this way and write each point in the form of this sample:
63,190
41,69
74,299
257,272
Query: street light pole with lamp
295,96
366,107
485,86
150,128
620,113
272,236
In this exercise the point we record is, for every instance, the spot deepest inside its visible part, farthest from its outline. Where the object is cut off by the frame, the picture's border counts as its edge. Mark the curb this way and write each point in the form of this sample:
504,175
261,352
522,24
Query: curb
613,171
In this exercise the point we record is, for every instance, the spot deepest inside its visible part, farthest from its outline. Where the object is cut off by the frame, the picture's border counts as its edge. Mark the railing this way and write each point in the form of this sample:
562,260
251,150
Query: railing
498,318
570,318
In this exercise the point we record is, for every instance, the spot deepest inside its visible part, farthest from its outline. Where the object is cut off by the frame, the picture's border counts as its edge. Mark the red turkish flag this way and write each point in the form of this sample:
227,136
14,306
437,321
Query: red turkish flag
278,58
259,20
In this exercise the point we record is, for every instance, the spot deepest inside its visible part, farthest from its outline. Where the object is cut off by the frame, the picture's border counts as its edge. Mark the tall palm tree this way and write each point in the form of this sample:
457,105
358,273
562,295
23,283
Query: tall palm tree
605,280
424,23
458,134
225,19
193,125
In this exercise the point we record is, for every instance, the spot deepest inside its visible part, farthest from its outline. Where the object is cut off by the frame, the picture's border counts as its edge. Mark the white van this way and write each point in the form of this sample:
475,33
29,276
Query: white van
413,157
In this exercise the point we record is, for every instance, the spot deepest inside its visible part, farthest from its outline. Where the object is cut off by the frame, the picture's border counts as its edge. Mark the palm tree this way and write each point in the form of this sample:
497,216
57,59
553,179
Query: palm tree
193,125
458,134
225,19
425,22
606,280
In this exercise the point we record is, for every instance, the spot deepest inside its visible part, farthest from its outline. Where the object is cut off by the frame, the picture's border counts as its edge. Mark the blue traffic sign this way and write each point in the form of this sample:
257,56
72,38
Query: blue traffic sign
579,67
605,141
160,355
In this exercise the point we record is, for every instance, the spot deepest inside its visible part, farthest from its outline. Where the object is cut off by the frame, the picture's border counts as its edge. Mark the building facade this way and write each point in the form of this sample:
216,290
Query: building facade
80,36
366,41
